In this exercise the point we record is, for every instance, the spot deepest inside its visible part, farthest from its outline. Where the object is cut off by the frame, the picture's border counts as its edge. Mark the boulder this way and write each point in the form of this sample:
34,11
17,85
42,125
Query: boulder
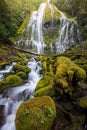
36,114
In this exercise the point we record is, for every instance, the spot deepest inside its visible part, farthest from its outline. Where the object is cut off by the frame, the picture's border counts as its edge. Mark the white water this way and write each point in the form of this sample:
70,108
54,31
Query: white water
7,69
48,1
13,97
33,36
68,34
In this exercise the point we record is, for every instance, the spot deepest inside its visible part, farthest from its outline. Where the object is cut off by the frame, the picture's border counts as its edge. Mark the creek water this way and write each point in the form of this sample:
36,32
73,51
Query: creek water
13,97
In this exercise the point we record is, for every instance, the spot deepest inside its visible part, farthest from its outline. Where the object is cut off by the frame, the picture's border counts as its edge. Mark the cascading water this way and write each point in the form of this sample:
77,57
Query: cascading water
7,69
68,34
13,97
34,29
33,35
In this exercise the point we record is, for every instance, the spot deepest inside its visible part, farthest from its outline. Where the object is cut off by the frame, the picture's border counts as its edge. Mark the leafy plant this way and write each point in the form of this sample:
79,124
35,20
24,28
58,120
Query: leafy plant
43,119
51,113
26,112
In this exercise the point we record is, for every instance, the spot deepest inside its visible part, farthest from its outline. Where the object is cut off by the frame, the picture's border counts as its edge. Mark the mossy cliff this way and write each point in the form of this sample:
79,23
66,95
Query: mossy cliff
36,114
51,25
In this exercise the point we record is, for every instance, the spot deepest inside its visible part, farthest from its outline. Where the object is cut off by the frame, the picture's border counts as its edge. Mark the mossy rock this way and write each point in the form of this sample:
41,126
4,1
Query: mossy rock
22,75
45,87
36,114
82,102
10,81
44,82
18,68
3,64
45,91
68,74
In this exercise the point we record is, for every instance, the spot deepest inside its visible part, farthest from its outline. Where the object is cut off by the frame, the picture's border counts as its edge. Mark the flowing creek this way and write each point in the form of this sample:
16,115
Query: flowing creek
13,97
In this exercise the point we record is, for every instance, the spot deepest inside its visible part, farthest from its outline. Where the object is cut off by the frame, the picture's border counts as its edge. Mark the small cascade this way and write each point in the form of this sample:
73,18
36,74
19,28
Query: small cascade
7,69
13,97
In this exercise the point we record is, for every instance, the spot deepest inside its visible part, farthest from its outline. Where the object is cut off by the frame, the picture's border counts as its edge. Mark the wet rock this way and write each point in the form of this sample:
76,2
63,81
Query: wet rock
83,90
2,114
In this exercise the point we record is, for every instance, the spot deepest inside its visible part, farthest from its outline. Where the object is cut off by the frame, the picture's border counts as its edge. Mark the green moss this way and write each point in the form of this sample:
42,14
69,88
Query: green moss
40,114
45,91
61,76
10,81
18,68
3,64
22,75
68,74
78,58
51,26
82,102
43,82
47,17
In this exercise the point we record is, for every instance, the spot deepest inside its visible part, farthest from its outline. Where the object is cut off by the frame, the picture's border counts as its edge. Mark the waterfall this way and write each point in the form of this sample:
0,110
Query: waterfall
34,29
33,38
13,97
68,34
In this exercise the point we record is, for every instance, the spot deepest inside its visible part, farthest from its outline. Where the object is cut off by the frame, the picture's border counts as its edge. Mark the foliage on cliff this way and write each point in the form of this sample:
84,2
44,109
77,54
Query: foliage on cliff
13,13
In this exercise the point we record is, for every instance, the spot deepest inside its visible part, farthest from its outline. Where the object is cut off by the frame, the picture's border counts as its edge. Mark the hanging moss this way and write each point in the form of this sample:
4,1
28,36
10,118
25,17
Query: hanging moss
36,114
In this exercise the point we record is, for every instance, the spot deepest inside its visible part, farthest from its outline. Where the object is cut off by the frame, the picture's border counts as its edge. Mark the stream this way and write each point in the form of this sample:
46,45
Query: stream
13,97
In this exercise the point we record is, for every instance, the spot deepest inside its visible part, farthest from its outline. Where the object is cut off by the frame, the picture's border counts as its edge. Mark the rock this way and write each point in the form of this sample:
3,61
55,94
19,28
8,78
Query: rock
2,115
36,114
10,81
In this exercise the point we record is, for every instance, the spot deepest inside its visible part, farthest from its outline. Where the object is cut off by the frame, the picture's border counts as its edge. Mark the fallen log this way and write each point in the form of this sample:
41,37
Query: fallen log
26,51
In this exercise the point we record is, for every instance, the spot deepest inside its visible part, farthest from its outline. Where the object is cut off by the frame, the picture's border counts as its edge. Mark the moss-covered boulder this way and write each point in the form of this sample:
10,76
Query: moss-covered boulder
61,76
22,75
18,67
45,86
36,114
68,75
10,81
